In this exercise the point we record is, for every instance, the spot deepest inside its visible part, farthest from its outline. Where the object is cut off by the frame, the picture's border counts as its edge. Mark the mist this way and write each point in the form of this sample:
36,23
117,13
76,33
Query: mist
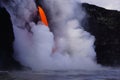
34,42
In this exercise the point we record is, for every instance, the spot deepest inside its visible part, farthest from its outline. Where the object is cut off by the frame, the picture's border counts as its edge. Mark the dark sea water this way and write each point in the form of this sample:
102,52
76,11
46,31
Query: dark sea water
106,74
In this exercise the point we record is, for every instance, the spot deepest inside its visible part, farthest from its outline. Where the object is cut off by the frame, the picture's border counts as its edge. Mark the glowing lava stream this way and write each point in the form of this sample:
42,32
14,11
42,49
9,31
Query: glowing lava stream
42,16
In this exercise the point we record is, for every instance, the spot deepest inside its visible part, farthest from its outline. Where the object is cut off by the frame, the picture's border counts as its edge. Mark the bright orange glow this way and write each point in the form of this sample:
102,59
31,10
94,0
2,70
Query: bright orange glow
42,16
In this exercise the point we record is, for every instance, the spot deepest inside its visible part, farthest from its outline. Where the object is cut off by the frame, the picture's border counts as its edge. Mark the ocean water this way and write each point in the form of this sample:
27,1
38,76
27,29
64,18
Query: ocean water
105,74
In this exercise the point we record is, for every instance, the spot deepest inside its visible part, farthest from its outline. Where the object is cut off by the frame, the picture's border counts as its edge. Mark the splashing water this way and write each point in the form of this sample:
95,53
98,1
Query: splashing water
34,42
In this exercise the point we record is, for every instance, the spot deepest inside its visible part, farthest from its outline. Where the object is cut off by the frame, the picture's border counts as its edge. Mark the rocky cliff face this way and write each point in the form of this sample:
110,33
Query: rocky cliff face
105,26
6,42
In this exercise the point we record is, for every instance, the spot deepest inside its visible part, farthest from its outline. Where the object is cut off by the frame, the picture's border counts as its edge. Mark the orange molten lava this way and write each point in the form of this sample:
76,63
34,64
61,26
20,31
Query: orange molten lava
42,16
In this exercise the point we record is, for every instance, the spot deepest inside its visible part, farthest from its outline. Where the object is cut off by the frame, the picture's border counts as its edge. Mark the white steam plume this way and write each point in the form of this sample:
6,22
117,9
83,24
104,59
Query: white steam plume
74,46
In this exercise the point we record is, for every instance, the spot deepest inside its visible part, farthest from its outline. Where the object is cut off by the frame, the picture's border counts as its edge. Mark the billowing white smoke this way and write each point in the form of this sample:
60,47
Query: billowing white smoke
74,46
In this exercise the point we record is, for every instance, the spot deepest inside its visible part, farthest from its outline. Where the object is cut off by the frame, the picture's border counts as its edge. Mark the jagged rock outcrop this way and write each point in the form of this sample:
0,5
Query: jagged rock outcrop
105,26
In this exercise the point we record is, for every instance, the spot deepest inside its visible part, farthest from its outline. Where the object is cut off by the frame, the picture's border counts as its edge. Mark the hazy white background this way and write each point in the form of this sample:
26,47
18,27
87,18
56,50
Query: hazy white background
108,4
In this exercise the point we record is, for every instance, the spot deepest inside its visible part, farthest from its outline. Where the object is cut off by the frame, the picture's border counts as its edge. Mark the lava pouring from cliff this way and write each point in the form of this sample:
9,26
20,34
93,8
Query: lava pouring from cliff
74,46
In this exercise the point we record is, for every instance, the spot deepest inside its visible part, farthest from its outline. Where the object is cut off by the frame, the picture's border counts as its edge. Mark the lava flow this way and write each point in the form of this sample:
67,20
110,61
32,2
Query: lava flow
42,16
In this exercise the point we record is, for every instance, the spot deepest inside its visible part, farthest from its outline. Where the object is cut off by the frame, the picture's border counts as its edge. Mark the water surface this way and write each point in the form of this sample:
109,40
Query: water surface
106,74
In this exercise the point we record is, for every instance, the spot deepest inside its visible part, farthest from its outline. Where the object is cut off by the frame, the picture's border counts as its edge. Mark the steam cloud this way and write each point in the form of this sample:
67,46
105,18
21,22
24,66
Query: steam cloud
34,42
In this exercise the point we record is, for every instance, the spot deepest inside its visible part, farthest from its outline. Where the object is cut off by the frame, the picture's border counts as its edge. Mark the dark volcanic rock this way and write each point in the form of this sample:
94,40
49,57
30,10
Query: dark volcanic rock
6,41
6,76
105,26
